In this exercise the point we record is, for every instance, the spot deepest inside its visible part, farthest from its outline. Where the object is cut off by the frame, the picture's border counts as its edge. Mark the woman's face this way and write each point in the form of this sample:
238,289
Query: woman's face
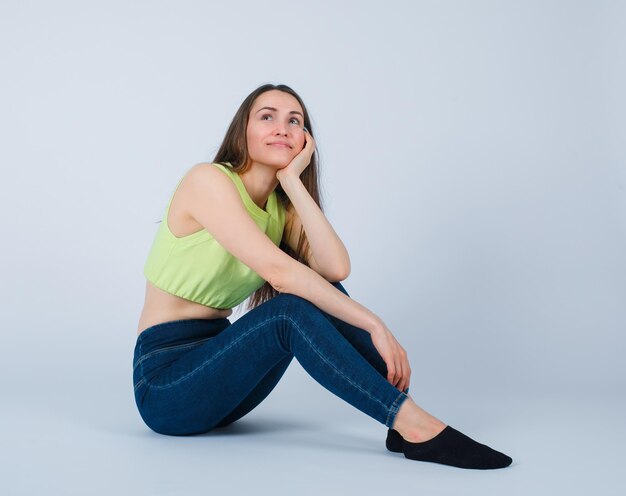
275,132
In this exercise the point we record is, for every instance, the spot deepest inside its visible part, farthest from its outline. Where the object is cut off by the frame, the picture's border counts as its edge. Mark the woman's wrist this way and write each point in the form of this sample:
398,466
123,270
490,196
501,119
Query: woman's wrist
293,187
376,325
285,179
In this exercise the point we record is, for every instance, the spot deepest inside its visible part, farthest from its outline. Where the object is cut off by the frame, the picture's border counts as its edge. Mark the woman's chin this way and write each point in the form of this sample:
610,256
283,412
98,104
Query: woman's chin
273,161
278,164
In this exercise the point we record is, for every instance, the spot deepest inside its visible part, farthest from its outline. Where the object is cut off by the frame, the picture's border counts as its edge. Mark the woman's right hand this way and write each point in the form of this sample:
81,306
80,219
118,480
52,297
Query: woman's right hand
300,162
394,355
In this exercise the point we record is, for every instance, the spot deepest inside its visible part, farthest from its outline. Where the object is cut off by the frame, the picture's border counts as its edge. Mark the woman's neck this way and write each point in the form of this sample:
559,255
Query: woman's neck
260,180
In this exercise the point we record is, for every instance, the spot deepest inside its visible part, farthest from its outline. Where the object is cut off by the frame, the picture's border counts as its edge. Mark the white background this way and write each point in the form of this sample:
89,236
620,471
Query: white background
472,161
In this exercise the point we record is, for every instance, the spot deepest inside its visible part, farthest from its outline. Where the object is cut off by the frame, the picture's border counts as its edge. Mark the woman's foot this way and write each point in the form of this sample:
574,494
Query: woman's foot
454,448
420,436
450,447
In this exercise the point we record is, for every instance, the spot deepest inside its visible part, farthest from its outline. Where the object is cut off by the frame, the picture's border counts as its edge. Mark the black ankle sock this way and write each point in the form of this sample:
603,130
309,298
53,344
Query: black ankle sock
394,441
451,447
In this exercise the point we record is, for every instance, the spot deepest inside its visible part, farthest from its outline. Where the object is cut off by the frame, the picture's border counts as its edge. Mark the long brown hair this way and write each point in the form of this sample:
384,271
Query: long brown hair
234,149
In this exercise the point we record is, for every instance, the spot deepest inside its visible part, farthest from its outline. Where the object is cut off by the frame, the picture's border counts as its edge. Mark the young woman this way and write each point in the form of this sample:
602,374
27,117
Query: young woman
250,224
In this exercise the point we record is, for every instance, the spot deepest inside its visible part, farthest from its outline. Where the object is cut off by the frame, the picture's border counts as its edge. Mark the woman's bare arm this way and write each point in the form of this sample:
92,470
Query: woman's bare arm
327,250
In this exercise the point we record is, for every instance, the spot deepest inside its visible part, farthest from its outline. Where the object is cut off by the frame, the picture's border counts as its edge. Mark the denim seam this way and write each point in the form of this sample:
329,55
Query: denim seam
213,358
395,406
367,393
169,348
143,379
140,368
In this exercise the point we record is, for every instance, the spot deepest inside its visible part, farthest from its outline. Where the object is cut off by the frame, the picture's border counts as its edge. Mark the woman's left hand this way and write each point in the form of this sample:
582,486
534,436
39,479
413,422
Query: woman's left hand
300,162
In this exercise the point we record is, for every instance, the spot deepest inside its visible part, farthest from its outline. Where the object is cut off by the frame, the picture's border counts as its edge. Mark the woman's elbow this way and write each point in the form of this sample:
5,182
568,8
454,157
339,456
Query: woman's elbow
340,274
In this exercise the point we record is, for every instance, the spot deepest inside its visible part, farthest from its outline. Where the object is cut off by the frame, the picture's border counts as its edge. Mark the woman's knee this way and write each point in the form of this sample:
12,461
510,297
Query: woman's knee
293,303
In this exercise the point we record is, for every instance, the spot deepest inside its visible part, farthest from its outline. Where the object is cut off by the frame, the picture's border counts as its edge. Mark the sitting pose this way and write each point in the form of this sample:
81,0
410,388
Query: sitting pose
249,224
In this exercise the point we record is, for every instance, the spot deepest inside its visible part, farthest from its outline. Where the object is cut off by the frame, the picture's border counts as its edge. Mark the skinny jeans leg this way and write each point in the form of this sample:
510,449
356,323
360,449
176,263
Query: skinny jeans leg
191,375
358,338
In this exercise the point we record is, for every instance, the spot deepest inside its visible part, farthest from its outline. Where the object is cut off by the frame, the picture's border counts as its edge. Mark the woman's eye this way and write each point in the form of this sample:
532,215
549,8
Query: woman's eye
295,120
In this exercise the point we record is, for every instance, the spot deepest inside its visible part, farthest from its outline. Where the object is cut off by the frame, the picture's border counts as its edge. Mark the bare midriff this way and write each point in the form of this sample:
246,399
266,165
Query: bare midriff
161,306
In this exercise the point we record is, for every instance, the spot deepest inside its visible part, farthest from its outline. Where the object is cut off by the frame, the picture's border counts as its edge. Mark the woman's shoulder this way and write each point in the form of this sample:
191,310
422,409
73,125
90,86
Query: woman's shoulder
199,176
205,174
206,169
210,165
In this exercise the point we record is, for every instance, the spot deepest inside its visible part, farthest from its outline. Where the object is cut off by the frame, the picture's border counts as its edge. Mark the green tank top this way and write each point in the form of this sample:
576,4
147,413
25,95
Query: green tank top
196,267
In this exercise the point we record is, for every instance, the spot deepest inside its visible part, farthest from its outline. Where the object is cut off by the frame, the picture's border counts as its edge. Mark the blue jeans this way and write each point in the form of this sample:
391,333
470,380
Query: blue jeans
193,375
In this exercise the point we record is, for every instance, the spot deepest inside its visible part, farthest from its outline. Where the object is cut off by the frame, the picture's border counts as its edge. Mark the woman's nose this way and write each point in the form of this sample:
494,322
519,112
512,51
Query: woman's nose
281,129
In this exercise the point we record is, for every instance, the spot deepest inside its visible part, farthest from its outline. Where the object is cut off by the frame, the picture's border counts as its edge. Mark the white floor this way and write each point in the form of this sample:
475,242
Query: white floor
89,440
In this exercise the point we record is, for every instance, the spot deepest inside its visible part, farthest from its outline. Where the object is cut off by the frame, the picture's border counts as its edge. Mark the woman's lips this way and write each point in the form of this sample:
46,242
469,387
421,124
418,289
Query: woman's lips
280,145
